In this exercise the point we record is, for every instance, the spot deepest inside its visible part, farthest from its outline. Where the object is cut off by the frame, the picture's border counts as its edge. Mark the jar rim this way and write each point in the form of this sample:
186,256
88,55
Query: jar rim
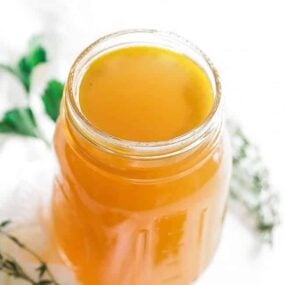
131,148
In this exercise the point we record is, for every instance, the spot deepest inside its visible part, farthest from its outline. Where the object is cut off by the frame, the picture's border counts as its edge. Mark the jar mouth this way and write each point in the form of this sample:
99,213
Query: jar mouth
129,148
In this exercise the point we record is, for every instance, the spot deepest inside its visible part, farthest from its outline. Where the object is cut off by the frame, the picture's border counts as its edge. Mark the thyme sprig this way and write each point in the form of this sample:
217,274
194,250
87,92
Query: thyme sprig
13,268
251,189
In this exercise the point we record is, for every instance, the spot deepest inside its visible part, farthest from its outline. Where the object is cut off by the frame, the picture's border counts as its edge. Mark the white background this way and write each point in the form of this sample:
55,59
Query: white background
244,39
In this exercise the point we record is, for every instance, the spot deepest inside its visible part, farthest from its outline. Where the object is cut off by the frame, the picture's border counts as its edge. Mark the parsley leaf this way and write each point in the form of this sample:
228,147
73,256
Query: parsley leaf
25,66
52,98
19,121
36,55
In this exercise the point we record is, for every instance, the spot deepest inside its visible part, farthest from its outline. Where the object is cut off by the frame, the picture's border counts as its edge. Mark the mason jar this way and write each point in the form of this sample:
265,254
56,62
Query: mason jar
136,213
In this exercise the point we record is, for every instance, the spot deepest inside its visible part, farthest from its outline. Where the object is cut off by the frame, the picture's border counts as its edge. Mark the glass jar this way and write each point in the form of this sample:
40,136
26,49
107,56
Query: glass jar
135,213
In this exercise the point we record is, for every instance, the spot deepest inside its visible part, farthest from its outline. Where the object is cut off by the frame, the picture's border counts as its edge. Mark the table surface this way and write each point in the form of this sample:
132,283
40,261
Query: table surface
244,39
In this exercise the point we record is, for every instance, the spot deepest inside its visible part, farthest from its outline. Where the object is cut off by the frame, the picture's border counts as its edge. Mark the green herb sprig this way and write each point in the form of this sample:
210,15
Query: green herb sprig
25,66
13,268
51,98
250,186
22,121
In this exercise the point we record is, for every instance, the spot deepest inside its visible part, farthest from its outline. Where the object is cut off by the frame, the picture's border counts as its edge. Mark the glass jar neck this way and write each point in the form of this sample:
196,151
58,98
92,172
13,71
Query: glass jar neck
206,133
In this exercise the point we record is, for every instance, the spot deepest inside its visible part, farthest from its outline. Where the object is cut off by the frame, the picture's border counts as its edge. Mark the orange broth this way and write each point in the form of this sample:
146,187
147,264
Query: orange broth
120,220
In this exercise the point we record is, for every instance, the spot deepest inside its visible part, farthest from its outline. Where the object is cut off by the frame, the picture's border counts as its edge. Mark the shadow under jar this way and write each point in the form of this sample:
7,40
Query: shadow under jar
135,212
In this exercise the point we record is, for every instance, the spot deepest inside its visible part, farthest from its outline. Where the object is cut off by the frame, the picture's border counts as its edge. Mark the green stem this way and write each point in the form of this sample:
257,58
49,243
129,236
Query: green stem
20,273
31,252
43,138
14,73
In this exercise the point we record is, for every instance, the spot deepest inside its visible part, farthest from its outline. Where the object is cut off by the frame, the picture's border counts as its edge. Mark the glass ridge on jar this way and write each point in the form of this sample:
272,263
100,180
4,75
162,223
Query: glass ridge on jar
135,213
